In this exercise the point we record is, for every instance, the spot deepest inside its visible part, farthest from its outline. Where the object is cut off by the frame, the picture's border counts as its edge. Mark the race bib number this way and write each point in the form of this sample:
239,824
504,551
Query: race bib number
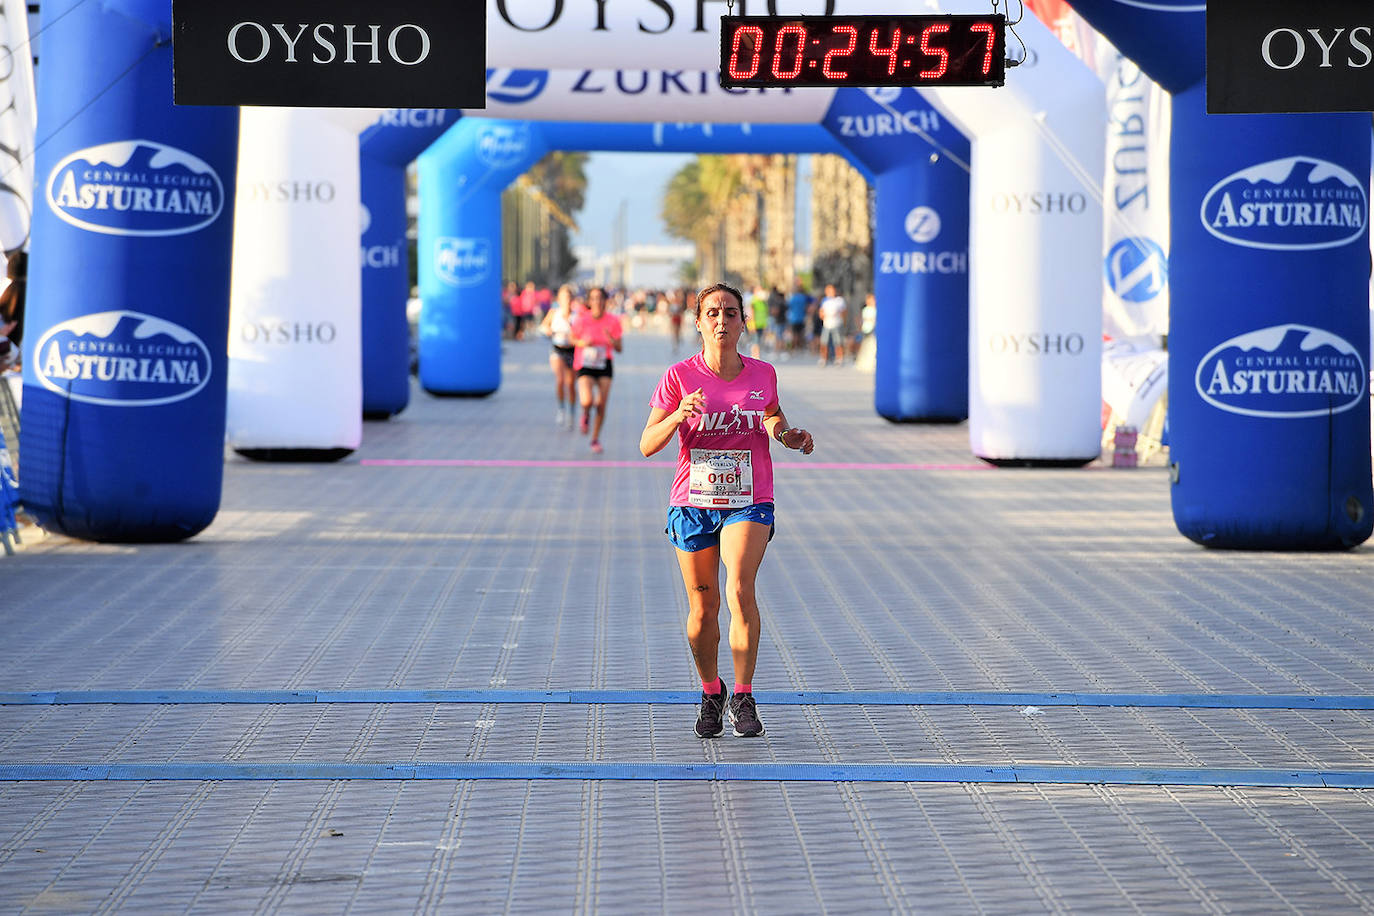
721,479
594,357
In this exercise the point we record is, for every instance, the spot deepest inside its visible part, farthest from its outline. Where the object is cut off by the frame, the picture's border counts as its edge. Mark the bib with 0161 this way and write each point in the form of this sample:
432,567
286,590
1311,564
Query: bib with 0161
594,357
721,478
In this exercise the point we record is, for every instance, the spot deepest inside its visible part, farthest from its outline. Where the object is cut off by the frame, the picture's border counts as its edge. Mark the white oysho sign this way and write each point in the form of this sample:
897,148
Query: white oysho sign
1035,289
295,344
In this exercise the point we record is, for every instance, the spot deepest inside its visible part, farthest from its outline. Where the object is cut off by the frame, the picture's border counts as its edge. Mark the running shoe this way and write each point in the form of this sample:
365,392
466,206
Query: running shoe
744,715
560,417
584,425
711,717
596,447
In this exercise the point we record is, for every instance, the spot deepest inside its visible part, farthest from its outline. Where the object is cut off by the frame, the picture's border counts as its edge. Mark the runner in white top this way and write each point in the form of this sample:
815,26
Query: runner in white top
557,326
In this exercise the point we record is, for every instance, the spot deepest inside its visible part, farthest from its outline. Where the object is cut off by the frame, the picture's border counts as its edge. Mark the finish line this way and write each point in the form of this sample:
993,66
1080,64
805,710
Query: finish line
683,697
652,465
694,772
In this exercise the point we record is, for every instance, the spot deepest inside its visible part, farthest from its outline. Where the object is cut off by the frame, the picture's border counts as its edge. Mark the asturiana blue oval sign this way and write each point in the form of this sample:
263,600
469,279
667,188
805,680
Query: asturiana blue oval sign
1287,371
135,188
1296,204
122,359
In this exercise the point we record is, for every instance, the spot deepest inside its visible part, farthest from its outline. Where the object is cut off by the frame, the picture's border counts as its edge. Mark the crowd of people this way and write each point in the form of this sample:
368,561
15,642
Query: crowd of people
585,327
790,325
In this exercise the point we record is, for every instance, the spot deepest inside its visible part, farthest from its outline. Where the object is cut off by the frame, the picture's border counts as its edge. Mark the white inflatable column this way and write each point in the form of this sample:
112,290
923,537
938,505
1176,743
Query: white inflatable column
295,340
1035,269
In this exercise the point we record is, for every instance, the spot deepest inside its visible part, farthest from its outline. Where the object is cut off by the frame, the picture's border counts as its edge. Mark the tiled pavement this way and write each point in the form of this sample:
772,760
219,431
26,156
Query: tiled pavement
536,566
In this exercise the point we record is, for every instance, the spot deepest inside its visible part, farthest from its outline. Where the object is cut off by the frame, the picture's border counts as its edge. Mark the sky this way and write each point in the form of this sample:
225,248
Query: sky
638,179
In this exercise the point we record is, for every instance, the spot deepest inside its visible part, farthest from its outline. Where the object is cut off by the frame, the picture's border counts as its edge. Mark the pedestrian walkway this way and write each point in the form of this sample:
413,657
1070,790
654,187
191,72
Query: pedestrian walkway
448,675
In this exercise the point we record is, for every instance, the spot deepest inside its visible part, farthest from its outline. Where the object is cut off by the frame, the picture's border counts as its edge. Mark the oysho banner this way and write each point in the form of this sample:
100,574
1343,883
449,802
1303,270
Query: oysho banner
341,54
295,350
1280,56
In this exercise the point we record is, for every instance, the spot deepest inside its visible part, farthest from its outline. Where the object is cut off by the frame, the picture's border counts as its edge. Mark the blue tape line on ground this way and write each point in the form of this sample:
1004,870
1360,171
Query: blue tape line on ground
676,772
620,697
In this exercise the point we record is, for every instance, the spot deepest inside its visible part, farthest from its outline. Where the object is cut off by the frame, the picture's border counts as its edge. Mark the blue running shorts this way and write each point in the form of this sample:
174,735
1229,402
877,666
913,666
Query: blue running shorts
692,529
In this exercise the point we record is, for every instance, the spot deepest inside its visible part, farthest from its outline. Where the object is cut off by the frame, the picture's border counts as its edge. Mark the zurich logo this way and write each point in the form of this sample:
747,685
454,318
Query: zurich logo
514,87
503,145
462,261
884,95
135,188
922,225
1287,371
1137,269
1294,204
122,359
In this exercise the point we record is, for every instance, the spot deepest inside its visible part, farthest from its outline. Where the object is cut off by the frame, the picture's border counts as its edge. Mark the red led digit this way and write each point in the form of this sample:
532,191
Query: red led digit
847,50
790,29
754,33
890,53
988,32
939,69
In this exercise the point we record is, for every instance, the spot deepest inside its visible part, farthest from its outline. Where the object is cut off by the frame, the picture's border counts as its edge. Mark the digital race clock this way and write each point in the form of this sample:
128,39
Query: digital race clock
773,51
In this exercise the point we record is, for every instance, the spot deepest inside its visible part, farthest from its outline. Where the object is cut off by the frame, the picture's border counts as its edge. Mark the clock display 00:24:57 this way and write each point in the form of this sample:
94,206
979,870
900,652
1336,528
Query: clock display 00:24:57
936,50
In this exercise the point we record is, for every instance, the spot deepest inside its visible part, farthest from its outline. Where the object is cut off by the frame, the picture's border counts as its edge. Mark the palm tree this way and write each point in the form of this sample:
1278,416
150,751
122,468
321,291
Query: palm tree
695,204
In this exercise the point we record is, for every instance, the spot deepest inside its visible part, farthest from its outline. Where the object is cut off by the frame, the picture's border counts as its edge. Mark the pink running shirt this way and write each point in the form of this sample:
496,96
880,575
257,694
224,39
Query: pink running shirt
722,460
601,332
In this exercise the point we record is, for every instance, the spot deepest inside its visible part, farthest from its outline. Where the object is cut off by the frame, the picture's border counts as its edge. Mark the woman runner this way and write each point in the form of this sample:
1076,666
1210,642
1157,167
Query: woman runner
557,326
724,408
595,333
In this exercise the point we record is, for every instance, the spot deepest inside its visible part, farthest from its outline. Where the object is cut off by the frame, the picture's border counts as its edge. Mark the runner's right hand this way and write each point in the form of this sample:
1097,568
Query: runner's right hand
692,405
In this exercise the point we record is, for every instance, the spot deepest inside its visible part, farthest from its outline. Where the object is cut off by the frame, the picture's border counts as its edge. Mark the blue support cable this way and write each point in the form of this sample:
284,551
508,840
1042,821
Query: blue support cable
683,697
693,772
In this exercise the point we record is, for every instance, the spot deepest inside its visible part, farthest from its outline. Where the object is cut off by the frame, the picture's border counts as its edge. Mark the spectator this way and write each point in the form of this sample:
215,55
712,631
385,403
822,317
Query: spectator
868,318
777,318
12,299
797,305
832,313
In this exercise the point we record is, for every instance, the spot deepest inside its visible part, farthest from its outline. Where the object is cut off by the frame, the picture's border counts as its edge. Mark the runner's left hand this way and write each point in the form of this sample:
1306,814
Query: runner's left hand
802,439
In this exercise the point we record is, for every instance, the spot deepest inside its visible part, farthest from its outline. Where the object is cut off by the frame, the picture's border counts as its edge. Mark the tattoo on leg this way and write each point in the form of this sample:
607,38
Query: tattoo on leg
703,588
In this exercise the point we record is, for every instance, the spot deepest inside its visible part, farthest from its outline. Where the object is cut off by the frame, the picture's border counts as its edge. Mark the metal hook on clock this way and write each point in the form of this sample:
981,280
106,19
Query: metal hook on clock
1011,28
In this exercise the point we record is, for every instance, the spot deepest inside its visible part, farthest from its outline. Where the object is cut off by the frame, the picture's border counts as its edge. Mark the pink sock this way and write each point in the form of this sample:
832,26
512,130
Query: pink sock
714,687
744,688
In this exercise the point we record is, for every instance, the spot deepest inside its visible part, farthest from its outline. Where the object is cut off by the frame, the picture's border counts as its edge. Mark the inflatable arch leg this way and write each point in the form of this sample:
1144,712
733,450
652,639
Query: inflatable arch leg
128,305
295,354
1035,327
385,290
917,163
461,179
1269,333
385,148
920,283
1035,291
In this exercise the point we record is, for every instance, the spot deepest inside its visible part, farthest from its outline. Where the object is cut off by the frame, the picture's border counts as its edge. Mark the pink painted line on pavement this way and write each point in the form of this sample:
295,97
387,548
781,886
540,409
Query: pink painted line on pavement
530,463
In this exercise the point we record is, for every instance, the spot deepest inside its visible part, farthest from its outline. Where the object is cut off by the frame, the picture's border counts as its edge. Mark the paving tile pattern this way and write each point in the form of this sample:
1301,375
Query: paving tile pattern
950,577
